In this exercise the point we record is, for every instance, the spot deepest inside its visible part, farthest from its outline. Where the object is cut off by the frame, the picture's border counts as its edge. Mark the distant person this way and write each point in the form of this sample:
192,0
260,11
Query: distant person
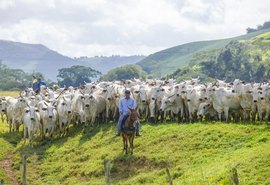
125,104
37,84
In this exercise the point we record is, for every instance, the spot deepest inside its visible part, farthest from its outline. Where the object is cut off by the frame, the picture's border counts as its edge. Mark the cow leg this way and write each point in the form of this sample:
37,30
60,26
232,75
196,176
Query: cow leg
226,112
30,136
2,116
24,134
107,114
219,116
10,126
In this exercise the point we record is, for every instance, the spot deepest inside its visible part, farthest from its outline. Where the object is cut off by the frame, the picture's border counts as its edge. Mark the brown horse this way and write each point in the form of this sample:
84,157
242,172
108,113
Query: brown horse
128,129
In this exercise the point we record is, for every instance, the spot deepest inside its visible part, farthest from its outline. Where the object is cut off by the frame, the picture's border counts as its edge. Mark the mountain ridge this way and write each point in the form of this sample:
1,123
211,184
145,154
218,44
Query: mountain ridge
33,58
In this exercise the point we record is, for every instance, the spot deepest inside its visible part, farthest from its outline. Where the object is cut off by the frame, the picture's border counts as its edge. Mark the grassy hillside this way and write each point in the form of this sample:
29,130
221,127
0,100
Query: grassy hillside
166,61
194,153
244,59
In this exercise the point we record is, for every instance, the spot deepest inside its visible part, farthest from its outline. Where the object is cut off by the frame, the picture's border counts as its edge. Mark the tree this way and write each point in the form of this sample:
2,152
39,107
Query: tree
260,73
11,79
250,30
76,75
124,72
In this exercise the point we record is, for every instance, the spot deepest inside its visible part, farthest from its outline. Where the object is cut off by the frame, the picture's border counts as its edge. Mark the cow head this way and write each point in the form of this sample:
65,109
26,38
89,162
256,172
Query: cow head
32,112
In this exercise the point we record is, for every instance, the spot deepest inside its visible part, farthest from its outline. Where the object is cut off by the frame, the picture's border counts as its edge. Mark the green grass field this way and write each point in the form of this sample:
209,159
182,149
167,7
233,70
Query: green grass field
200,153
9,93
194,153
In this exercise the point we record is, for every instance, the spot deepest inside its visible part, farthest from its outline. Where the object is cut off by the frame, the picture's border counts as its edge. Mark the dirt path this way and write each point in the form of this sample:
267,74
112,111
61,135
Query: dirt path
6,166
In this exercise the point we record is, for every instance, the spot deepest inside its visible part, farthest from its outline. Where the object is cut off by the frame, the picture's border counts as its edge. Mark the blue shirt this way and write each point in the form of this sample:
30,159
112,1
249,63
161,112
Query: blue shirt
37,85
124,104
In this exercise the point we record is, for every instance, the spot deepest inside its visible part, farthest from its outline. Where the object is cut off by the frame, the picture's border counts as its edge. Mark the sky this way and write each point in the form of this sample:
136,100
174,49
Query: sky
125,27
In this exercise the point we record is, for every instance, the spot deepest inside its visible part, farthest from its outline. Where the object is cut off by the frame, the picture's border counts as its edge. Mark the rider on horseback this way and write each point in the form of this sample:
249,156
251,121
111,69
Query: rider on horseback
125,104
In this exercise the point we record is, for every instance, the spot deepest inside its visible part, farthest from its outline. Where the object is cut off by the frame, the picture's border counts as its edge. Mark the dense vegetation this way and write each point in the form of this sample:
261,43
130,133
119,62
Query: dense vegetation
265,25
15,79
76,75
168,61
247,60
124,72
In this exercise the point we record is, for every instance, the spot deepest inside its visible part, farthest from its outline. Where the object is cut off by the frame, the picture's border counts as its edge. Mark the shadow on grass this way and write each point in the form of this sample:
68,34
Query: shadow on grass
92,131
125,166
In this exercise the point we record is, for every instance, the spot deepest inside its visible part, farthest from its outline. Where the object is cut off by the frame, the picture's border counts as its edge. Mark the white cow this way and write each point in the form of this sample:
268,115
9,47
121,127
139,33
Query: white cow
223,101
259,102
3,107
64,114
193,100
206,109
48,116
31,122
244,91
97,107
15,110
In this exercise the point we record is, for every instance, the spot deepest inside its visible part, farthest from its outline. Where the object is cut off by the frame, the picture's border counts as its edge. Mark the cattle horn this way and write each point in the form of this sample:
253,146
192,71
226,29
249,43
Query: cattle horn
21,94
171,96
60,94
81,92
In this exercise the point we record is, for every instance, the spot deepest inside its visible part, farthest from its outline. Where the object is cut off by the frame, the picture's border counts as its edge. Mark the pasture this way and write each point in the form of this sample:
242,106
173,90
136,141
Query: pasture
194,153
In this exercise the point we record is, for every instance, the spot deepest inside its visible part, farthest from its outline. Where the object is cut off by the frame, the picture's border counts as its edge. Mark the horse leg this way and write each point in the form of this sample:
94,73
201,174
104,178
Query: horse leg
126,143
131,139
123,140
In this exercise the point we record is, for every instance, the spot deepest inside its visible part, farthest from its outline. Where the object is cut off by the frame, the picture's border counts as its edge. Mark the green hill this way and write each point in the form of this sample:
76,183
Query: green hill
167,61
243,59
194,153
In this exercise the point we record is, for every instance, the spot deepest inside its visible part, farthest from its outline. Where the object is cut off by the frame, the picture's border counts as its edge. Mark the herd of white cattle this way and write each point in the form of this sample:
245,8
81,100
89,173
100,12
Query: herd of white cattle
54,109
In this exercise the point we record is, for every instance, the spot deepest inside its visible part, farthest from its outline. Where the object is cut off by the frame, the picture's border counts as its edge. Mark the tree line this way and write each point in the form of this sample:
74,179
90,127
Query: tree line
17,79
265,25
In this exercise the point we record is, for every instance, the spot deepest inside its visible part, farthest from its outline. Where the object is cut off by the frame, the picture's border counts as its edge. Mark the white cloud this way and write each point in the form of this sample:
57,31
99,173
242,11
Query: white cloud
5,4
106,27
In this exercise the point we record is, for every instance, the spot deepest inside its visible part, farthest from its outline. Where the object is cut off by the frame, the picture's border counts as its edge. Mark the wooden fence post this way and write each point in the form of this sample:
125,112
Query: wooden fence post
24,170
234,177
107,171
169,176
